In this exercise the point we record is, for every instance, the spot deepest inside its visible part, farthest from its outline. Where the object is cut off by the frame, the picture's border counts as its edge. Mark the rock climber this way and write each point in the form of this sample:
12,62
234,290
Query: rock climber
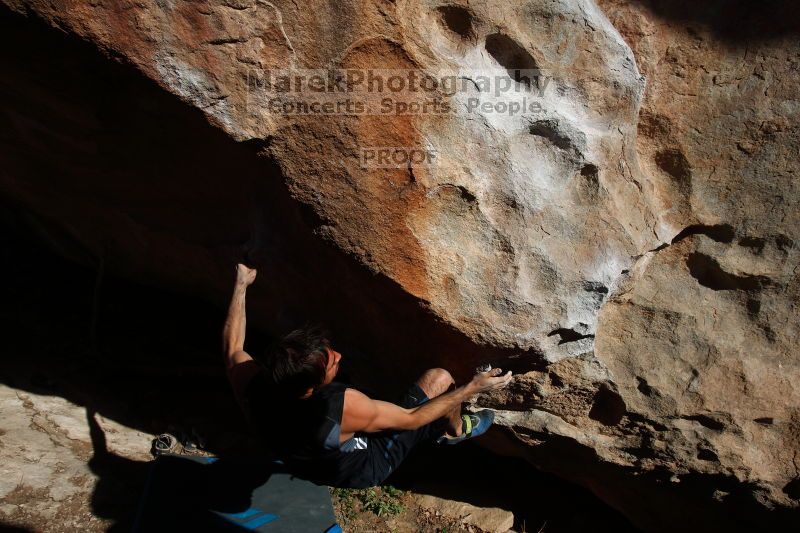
330,433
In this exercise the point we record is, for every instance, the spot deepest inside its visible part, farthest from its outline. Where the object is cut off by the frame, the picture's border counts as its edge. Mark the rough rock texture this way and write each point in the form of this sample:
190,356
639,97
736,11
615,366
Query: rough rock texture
490,519
49,468
633,244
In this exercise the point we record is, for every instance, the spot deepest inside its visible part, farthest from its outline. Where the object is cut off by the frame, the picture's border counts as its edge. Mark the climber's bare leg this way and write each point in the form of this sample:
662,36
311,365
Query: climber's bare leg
437,381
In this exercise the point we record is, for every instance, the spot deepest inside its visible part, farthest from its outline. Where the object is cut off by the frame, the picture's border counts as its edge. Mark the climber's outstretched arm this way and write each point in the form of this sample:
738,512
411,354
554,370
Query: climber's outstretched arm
239,366
234,330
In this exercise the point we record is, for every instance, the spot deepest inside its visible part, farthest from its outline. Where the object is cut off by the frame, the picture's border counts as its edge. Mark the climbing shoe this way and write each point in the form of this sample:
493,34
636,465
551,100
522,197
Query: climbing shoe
472,425
165,444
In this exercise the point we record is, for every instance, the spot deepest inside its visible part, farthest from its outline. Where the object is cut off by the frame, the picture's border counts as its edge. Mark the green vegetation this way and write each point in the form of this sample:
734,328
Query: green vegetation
381,501
346,500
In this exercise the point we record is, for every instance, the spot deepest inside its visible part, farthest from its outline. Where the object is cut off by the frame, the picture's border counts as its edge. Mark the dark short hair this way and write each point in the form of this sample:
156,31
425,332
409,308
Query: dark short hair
298,361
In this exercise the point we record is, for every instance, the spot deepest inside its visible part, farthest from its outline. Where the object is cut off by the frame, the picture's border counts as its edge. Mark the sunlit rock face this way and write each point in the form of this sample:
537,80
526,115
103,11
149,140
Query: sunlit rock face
528,219
628,231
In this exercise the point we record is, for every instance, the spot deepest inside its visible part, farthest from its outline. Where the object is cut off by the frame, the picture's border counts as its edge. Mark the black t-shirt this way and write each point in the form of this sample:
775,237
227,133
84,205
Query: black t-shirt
305,434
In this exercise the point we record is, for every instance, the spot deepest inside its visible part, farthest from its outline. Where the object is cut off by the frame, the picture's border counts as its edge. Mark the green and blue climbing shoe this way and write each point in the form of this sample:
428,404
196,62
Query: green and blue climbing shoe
472,425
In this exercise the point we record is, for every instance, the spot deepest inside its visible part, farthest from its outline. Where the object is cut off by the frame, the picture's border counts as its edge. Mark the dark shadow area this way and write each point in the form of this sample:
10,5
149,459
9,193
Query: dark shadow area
143,357
206,494
707,421
792,489
568,335
458,20
734,20
179,493
120,480
719,232
548,129
519,64
674,163
470,473
708,272
608,407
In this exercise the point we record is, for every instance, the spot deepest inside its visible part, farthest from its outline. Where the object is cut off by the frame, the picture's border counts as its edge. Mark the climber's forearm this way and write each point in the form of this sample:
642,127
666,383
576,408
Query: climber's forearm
442,405
234,331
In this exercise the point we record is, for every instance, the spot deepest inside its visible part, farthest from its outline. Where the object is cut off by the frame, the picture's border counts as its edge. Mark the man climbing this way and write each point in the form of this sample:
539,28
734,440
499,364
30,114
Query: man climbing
330,433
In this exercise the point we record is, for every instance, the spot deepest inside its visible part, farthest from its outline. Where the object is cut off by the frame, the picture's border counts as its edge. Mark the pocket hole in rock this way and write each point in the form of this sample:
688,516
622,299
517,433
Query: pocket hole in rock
458,20
519,64
608,407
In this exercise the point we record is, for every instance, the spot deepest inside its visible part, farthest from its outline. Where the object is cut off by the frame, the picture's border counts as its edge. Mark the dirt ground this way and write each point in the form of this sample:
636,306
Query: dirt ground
369,510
